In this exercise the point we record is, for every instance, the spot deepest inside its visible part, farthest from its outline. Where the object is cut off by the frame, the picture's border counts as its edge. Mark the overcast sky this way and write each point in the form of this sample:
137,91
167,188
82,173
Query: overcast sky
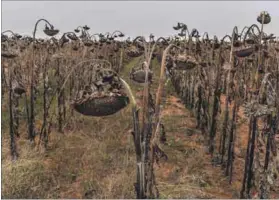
138,17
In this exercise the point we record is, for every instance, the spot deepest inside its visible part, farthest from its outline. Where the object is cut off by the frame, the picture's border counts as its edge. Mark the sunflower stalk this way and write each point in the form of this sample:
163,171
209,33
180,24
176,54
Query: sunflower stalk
43,131
229,167
13,147
60,98
228,96
215,109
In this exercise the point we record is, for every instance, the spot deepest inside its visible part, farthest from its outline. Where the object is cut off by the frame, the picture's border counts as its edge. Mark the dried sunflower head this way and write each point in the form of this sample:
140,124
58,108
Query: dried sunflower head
104,96
50,31
9,54
264,18
86,28
4,38
72,36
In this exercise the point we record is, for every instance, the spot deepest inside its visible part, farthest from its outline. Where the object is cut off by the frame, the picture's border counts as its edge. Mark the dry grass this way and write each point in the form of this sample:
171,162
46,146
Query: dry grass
82,163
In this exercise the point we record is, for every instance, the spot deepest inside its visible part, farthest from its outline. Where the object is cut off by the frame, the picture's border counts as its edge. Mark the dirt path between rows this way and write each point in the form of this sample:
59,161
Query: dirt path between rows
188,172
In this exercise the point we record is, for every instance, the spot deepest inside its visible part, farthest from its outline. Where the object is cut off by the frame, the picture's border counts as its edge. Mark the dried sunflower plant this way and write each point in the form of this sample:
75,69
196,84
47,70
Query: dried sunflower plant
226,82
243,68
